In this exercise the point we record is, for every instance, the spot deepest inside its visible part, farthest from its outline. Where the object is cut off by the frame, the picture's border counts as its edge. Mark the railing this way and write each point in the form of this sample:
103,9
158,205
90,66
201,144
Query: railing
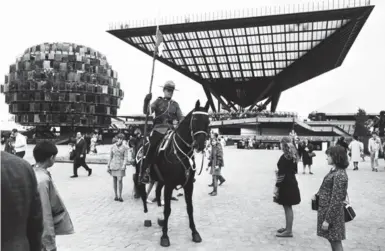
279,137
311,6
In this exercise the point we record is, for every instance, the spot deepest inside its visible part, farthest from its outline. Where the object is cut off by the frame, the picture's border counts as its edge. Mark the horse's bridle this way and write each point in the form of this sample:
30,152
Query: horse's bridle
190,146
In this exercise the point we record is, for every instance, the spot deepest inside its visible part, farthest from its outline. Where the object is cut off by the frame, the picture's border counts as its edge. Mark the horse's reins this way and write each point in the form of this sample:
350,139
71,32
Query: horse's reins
177,148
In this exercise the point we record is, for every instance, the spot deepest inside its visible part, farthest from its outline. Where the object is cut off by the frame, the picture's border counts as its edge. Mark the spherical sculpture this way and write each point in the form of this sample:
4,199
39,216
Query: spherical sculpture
62,84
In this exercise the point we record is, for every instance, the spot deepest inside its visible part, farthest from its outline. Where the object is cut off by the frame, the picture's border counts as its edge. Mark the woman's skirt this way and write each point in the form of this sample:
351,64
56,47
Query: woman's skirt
118,173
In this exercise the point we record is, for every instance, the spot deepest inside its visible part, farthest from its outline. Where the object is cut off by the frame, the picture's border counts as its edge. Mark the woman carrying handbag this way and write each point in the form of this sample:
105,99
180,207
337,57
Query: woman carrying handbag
331,199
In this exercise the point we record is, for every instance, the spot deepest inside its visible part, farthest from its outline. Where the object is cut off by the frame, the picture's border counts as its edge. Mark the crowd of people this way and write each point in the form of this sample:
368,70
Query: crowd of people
45,215
218,116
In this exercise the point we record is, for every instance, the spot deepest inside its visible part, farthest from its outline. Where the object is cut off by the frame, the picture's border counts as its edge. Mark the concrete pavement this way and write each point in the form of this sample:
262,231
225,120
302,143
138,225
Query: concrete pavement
242,216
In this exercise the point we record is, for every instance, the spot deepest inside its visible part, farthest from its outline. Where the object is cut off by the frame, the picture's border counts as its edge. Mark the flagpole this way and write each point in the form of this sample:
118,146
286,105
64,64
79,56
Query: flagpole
148,108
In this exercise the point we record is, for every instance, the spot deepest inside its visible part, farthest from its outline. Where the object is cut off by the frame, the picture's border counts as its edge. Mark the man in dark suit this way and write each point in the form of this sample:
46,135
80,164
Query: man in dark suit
21,213
80,155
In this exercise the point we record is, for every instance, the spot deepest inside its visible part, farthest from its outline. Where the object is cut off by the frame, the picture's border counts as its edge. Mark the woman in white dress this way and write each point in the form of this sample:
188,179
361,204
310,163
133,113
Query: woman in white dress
355,151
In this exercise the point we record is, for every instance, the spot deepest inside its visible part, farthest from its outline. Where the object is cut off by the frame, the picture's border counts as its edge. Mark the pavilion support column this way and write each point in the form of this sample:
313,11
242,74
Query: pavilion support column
274,101
209,98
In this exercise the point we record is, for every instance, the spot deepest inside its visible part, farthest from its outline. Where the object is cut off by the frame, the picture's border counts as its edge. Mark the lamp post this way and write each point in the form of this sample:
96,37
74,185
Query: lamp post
73,122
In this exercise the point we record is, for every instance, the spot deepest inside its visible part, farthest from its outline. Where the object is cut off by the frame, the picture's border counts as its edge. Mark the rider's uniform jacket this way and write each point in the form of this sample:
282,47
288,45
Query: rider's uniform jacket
166,112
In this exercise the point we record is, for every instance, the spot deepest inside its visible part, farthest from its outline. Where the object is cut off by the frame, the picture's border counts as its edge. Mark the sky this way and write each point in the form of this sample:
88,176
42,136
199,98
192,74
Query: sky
27,23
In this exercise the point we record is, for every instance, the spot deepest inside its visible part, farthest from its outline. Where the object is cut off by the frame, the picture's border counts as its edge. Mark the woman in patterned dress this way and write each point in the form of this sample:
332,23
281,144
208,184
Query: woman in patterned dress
332,194
286,188
117,165
216,163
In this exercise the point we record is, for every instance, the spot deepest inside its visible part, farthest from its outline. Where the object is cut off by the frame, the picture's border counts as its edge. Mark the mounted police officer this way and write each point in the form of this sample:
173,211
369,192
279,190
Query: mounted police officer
167,112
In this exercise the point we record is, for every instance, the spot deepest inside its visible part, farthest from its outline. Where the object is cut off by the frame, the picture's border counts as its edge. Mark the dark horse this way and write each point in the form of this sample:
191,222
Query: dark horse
175,167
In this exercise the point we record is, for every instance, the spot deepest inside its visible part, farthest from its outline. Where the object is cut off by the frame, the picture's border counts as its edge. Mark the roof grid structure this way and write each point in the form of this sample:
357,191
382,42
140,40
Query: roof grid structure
241,52
247,60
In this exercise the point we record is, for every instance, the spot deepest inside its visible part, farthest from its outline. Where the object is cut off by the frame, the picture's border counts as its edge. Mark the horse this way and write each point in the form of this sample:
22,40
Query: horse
175,166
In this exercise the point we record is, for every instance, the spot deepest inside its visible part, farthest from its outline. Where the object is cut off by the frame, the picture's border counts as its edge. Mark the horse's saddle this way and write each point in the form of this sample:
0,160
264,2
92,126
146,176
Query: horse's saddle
165,141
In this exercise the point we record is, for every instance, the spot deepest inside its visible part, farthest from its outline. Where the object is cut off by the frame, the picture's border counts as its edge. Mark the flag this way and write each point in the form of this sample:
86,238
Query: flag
159,41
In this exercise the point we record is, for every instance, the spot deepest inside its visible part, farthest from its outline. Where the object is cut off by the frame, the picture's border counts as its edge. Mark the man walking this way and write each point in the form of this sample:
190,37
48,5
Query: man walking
20,143
80,155
374,147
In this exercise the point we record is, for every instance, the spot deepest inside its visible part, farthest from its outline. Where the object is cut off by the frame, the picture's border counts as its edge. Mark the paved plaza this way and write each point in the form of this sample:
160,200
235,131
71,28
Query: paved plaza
242,216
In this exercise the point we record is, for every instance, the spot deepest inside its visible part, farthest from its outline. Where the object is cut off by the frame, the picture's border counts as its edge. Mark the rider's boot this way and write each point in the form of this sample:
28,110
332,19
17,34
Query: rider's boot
144,177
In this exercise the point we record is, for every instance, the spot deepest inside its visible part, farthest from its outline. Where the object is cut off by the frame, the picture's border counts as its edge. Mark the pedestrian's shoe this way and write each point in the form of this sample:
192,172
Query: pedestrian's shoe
214,193
211,185
310,173
120,199
89,172
149,201
222,181
375,169
173,198
116,199
74,176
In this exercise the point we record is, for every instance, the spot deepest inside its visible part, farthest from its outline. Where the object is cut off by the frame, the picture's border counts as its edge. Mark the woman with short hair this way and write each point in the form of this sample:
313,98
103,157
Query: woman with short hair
332,194
117,165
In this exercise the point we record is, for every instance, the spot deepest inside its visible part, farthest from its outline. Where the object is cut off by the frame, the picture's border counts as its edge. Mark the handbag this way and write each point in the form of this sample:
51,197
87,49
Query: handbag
348,210
312,154
315,203
72,155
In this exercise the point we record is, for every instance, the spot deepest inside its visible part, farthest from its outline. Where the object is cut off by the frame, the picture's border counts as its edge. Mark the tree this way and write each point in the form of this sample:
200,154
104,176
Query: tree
360,128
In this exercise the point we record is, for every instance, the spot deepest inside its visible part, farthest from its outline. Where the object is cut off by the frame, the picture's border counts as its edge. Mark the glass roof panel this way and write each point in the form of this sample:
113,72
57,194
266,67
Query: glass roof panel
258,73
202,34
193,43
208,52
244,58
230,50
256,57
241,40
269,73
234,66
236,74
264,29
205,43
280,56
226,74
191,35
189,61
251,31
219,51
245,66
217,42
242,49
213,67
279,47
233,59
175,54
228,41
186,53
210,60
215,75
166,54
202,68
252,40
199,60
214,33
223,67
280,64
257,66
222,59
239,32
305,46
226,33
192,68
254,48
266,38
247,74
197,52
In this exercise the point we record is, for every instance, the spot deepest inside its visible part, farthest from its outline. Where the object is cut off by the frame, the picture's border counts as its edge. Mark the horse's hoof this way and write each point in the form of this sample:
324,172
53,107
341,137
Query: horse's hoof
164,241
147,223
196,238
160,222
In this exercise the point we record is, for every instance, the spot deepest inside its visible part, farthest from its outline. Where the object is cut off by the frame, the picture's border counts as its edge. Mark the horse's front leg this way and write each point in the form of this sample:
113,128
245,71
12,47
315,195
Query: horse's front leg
188,190
164,240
